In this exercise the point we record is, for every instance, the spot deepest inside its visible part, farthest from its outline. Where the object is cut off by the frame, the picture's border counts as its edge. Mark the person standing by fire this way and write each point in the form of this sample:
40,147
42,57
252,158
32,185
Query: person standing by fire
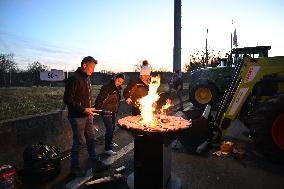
77,97
178,86
137,89
108,100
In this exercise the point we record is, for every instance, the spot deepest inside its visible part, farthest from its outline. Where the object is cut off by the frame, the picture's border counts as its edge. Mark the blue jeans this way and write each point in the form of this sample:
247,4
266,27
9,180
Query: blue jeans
109,122
83,136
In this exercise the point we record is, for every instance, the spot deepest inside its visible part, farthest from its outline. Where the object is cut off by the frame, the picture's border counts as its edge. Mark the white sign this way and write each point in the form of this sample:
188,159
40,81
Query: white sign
238,100
53,75
252,71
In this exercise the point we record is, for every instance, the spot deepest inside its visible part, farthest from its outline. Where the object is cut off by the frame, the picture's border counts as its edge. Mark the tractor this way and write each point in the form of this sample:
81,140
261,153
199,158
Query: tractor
207,85
255,96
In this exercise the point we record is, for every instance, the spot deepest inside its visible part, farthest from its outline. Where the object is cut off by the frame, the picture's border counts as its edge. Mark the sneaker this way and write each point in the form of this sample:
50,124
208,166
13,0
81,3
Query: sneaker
110,152
114,144
100,166
77,172
94,159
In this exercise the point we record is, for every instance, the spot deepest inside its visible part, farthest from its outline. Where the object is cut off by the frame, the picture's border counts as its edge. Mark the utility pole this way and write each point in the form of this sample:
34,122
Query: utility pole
206,49
177,36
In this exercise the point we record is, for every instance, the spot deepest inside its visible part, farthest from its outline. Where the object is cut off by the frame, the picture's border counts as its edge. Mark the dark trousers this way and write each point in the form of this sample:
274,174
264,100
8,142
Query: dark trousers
110,123
83,136
179,95
135,111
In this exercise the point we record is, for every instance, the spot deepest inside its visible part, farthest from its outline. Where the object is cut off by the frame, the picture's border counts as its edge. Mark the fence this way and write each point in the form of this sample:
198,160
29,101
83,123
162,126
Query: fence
27,79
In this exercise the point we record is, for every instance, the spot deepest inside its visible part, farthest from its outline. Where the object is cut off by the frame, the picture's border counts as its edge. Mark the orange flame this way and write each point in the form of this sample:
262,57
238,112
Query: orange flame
165,107
147,104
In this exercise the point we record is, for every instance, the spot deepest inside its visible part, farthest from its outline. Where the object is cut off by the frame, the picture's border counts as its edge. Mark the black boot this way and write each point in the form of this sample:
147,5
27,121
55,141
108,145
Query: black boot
98,166
77,172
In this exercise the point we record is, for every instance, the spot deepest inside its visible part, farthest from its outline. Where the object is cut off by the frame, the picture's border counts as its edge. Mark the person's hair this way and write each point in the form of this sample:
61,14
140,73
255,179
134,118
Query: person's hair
119,75
89,59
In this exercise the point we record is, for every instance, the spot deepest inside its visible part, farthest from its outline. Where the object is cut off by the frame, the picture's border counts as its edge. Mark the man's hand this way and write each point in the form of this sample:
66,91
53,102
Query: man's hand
90,111
128,101
168,101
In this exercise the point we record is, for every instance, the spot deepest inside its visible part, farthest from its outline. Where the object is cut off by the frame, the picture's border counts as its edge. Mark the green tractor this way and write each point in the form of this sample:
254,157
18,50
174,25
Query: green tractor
207,85
255,95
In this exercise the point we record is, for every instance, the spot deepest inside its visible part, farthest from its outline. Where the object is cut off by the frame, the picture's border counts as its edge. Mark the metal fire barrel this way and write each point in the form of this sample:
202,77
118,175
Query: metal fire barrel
152,151
152,163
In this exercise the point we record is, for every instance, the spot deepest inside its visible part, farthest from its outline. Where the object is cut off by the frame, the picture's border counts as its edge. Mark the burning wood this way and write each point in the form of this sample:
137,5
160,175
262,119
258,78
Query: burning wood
160,123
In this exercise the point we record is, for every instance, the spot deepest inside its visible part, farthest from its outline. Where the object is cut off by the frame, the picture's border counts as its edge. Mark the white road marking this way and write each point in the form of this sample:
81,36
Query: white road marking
110,160
77,182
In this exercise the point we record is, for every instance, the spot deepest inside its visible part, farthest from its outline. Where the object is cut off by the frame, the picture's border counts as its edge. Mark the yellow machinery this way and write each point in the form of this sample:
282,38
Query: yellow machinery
255,96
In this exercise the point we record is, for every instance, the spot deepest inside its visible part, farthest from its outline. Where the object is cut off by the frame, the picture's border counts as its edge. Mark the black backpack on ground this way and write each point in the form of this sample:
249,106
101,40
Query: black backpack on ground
41,162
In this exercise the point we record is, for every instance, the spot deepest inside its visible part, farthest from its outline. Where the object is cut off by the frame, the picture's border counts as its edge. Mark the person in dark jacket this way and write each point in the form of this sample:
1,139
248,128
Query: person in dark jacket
77,97
108,100
137,89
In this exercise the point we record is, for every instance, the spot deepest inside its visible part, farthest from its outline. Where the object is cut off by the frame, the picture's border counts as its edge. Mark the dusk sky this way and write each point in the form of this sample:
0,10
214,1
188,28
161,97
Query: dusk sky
121,33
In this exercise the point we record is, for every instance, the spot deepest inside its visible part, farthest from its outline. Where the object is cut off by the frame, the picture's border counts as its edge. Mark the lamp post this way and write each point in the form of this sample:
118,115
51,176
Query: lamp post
177,36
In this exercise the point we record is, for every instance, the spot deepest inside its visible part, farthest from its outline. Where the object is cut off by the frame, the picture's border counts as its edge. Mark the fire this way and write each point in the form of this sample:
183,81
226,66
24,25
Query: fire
148,103
166,106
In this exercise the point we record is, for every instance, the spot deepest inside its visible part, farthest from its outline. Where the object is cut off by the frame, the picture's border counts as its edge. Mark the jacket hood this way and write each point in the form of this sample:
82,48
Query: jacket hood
80,71
113,84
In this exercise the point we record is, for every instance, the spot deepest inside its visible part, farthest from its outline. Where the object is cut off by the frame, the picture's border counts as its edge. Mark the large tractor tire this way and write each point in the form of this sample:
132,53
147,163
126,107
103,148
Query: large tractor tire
268,128
203,93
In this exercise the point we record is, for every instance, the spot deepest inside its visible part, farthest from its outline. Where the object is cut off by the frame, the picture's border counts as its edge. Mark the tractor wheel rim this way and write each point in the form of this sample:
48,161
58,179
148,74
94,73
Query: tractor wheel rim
203,95
278,131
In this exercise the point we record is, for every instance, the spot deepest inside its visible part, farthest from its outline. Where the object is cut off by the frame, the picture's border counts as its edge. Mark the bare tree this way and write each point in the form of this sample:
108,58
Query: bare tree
137,67
36,67
197,59
7,65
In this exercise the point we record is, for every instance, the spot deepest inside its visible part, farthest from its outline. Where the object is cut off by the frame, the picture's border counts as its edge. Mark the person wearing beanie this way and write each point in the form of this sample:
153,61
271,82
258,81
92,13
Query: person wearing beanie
139,88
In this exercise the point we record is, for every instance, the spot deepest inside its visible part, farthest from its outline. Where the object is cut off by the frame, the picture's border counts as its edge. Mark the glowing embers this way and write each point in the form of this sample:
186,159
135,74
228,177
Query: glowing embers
159,123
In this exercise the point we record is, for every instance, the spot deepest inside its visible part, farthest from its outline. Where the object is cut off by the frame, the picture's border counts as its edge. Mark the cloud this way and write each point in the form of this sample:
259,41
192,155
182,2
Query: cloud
12,42
28,50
